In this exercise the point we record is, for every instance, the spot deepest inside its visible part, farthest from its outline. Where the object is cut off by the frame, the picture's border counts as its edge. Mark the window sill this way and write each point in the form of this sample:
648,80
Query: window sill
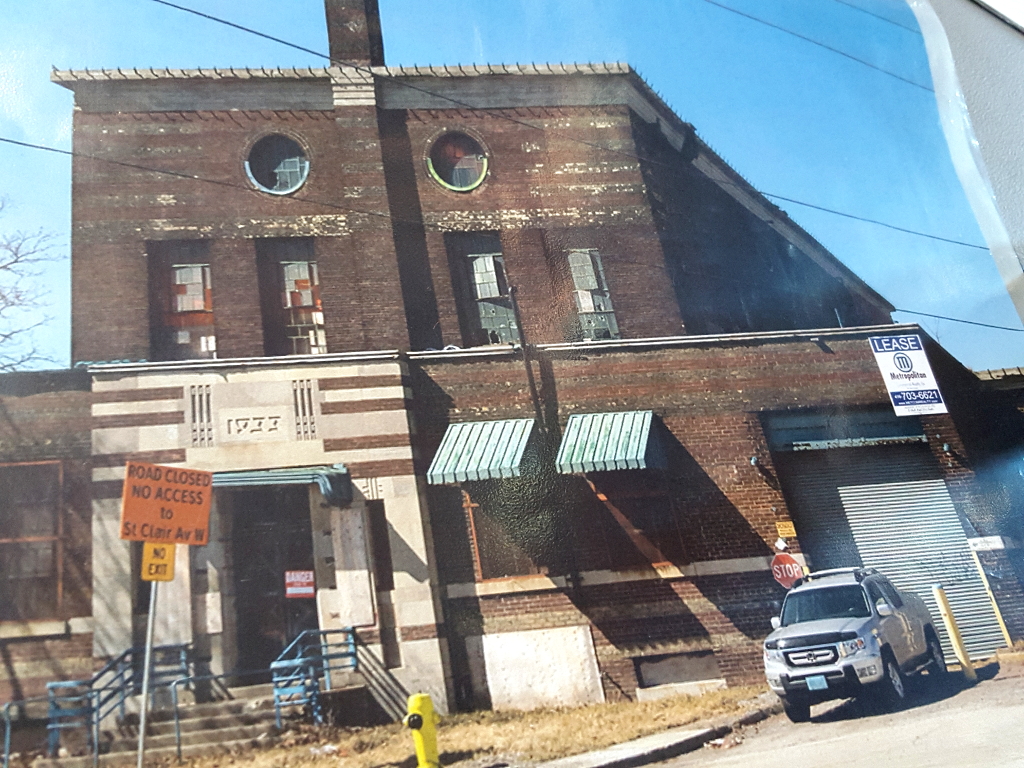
11,630
540,583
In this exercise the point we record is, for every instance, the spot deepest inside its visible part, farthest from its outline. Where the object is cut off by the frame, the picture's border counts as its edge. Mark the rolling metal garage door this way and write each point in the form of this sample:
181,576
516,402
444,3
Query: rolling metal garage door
889,508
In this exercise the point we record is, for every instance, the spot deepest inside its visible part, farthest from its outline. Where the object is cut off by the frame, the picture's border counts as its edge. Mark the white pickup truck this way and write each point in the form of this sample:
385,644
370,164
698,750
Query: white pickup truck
844,633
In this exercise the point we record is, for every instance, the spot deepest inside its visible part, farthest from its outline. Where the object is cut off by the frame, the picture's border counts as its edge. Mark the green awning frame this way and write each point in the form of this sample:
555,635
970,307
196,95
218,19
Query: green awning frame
602,442
480,450
334,481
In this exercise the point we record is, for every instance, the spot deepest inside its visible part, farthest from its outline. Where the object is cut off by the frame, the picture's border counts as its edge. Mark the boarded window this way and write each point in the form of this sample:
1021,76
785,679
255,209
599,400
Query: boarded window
181,301
293,314
594,310
31,545
482,290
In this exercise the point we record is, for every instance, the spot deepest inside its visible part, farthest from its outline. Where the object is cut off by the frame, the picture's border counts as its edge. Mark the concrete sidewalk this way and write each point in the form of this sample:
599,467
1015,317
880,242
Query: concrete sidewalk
660,746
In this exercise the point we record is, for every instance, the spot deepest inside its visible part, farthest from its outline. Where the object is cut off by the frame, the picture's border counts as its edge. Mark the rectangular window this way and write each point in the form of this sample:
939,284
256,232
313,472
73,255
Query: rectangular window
590,292
31,541
293,314
181,301
481,287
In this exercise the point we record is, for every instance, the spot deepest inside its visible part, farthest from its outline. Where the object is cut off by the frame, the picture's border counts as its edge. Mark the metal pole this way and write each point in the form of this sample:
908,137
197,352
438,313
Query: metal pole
147,665
954,633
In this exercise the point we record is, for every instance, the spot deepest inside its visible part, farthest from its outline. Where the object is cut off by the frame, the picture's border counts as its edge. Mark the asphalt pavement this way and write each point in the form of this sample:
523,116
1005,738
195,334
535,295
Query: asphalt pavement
941,726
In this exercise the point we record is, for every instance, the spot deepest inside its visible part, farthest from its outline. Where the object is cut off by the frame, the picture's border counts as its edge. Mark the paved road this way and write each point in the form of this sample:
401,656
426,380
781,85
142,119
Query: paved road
979,726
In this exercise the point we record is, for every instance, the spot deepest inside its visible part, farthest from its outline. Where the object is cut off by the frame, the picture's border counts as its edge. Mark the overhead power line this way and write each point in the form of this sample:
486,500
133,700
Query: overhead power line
812,41
876,221
877,16
593,145
958,320
348,209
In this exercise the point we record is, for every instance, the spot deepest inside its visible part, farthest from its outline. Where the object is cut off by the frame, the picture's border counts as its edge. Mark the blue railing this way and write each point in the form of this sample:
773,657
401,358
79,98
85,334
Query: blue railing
87,703
5,713
310,658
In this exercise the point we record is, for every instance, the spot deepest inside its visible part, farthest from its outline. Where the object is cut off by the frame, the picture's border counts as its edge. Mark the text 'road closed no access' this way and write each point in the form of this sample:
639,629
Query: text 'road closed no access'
166,505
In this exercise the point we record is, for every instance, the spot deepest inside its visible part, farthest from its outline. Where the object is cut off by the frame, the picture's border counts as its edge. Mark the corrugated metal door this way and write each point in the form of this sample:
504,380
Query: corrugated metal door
889,508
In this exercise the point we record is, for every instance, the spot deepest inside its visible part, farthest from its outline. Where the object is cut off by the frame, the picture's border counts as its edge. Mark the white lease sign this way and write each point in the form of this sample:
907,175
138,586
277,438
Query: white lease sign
908,375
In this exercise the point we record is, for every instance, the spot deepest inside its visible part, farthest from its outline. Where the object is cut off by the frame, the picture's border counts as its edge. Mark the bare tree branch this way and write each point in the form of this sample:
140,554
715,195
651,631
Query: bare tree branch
23,258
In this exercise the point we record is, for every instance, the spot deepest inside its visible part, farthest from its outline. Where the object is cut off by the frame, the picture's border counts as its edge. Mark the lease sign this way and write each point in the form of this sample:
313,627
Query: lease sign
907,374
165,505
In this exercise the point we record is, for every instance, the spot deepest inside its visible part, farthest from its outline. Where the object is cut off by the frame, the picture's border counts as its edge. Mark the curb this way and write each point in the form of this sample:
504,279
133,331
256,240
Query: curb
659,746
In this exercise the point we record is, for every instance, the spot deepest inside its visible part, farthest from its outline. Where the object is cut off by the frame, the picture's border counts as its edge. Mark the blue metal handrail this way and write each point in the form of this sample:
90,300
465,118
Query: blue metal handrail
308,659
5,713
87,703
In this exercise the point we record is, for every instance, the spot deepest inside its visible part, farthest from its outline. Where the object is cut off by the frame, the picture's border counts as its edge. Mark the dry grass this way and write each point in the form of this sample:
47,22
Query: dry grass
520,737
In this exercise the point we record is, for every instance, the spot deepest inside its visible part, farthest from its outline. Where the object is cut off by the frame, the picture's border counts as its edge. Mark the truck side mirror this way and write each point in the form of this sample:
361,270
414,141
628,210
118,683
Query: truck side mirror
883,608
776,622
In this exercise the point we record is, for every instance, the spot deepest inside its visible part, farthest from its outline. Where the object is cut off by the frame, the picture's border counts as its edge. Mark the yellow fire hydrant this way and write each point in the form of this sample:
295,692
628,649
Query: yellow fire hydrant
422,721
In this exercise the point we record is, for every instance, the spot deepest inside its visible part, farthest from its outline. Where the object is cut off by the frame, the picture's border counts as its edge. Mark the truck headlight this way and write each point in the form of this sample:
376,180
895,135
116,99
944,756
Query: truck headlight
851,647
771,654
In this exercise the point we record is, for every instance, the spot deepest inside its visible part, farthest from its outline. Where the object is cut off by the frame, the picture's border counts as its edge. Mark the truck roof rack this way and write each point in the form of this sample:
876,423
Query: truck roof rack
858,573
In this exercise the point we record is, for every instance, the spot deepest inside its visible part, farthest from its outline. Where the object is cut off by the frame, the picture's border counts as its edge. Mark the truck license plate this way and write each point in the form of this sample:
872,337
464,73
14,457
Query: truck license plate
817,683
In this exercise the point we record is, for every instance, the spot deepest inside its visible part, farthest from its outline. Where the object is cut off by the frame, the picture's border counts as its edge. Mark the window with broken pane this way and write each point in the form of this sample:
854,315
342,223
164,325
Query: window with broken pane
181,290
31,547
485,303
293,314
594,310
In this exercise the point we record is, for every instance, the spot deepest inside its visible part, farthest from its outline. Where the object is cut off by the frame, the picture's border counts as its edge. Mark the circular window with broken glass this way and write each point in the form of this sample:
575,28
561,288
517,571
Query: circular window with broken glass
277,164
457,162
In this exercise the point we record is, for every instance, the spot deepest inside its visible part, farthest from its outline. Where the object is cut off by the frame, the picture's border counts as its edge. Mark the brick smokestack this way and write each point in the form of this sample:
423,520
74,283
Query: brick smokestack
353,28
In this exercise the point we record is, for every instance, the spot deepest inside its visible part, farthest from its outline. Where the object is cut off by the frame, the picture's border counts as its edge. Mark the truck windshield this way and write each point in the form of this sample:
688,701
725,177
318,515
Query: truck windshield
847,602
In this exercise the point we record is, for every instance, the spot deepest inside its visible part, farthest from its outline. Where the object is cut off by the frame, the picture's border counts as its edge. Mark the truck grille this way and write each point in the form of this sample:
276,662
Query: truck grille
812,657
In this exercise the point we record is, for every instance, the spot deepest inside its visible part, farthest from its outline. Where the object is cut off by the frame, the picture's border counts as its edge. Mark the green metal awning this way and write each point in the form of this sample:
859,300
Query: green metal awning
334,481
600,442
480,450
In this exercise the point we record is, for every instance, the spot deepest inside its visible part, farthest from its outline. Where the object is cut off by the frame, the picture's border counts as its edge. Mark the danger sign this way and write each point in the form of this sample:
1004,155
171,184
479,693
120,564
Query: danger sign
786,570
165,505
299,584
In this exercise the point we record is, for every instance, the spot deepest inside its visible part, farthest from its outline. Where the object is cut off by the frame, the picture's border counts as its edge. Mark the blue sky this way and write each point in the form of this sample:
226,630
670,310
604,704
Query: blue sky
795,119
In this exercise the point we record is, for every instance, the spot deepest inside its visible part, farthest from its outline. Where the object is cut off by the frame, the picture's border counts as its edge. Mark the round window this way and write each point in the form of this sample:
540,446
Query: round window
277,164
457,162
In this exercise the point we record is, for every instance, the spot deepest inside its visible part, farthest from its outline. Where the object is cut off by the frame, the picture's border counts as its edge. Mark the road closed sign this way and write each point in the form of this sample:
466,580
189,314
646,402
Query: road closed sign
166,505
786,570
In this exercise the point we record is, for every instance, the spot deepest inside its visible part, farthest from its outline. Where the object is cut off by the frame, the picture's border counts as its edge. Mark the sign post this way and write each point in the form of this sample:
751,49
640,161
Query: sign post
162,507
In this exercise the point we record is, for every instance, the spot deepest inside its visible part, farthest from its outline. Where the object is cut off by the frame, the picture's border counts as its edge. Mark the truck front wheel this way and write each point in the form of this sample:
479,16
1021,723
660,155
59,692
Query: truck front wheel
797,711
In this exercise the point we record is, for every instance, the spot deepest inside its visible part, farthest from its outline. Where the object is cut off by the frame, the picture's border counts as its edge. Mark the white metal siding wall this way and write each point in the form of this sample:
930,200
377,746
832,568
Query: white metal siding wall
889,508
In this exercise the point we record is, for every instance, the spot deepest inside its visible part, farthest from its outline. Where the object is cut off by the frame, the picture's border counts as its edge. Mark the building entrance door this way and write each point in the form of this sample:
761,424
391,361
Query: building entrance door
271,534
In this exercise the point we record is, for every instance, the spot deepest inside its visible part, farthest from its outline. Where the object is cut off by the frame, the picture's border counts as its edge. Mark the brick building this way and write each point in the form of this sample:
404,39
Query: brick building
577,369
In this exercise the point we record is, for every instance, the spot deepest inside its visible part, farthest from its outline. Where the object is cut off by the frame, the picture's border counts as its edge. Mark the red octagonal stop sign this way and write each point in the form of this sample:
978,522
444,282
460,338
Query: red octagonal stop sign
786,569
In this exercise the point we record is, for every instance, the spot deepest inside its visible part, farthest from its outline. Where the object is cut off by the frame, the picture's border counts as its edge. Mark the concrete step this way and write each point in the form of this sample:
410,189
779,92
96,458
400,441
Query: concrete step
212,709
159,754
210,736
188,723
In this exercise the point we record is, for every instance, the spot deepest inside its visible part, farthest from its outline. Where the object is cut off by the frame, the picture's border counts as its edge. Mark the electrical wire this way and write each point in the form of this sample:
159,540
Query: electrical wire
203,179
958,320
877,16
876,221
593,145
812,41
347,209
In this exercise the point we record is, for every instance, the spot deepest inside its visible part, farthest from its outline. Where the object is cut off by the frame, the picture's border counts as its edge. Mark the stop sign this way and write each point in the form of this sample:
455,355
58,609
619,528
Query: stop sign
786,569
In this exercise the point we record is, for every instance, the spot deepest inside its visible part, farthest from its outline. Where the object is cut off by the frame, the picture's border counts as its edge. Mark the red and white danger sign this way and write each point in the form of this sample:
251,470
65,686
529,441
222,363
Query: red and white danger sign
786,569
299,584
